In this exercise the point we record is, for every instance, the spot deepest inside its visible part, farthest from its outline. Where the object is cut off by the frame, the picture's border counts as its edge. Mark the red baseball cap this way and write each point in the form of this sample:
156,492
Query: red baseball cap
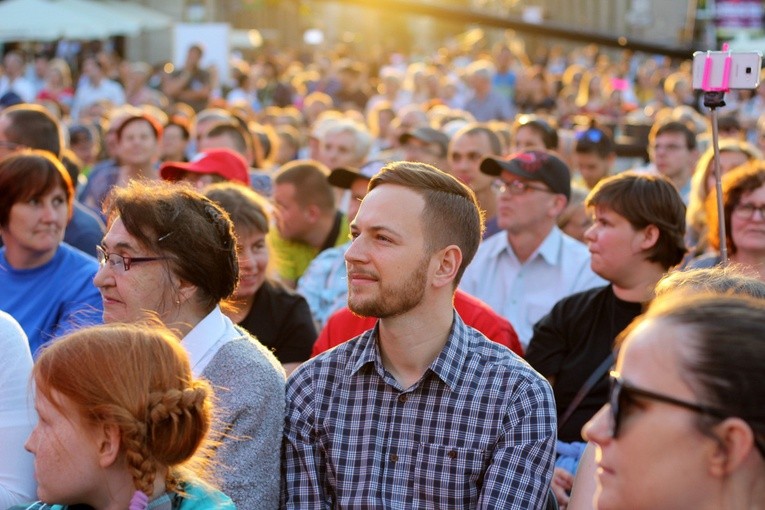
223,162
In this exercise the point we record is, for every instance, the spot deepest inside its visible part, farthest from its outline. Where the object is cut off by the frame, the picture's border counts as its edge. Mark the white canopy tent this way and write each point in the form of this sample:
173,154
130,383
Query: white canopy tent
149,19
104,15
46,20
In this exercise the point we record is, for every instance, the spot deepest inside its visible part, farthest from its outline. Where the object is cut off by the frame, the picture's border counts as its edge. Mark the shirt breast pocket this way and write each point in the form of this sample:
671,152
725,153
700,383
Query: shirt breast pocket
448,477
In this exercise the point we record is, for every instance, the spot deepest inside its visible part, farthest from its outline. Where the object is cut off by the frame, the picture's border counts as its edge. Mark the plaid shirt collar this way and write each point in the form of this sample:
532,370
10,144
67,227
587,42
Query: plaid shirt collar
447,365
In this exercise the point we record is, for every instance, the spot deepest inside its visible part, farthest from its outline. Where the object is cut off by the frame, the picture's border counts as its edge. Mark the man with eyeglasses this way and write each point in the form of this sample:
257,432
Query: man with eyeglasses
672,148
523,270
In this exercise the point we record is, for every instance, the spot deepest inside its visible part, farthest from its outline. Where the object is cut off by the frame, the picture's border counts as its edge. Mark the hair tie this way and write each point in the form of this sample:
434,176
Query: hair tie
139,501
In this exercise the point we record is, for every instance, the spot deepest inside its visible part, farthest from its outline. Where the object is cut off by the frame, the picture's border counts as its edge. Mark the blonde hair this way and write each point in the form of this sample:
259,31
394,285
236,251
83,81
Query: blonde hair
138,378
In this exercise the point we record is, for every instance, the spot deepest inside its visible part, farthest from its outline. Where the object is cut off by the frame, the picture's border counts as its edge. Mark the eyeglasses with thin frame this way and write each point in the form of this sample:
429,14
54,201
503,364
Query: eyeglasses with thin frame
622,394
516,187
115,261
746,211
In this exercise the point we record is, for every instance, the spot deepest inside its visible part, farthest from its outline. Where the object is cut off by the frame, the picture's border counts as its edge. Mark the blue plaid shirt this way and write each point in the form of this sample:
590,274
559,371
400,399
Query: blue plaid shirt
477,431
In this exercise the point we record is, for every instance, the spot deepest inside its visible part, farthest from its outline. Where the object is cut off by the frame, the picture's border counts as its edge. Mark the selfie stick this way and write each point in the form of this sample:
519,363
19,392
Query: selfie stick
714,97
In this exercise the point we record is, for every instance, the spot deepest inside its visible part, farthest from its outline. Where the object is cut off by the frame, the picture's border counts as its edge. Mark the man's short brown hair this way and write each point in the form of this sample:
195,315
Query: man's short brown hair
309,178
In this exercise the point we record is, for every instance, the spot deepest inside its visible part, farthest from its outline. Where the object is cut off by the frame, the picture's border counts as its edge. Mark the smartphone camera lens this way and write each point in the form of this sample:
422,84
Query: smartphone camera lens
748,70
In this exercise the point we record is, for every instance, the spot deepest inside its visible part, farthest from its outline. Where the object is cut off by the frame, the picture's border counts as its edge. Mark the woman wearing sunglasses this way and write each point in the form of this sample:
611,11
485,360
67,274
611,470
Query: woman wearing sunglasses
685,423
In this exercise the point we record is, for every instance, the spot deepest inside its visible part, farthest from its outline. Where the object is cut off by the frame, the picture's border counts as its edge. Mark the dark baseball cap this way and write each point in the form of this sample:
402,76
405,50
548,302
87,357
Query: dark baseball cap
343,177
427,135
533,166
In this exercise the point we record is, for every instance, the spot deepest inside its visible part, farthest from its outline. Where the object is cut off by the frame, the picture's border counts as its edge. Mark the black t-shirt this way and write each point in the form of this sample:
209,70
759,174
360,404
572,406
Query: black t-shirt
281,320
571,341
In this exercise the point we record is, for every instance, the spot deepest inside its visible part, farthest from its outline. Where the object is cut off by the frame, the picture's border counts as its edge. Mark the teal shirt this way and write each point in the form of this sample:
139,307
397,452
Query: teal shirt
197,497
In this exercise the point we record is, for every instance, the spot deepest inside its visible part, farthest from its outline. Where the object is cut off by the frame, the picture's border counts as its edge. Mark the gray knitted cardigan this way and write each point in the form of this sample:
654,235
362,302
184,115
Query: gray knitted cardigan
249,388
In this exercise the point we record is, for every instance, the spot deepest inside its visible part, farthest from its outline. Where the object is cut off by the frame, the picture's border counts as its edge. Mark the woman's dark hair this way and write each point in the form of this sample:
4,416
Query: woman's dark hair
743,179
247,209
541,126
31,174
194,232
646,200
726,352
181,124
80,133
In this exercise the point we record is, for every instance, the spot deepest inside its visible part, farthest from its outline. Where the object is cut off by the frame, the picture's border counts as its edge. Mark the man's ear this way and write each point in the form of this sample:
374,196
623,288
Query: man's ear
109,440
559,204
449,260
312,212
650,237
736,443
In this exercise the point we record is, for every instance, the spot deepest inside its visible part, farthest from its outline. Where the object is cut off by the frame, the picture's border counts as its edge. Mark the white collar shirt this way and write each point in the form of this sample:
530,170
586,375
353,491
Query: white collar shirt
523,292
204,341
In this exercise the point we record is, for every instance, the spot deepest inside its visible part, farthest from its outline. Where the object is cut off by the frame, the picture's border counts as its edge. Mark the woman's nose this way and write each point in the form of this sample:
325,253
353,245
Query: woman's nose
598,429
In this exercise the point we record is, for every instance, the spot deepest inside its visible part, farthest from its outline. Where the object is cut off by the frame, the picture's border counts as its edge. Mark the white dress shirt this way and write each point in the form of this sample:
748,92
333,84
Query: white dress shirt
523,292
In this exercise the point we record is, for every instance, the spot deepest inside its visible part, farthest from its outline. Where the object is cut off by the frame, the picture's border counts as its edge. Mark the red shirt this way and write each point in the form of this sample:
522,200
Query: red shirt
344,325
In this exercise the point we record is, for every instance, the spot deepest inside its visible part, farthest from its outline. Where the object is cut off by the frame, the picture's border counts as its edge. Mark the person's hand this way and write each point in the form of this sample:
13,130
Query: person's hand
561,486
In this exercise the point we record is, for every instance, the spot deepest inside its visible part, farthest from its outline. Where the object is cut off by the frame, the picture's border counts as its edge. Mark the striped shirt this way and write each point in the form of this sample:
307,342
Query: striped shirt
476,431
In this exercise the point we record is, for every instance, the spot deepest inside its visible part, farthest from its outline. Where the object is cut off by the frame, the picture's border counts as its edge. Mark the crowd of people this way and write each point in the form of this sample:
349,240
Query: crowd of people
477,279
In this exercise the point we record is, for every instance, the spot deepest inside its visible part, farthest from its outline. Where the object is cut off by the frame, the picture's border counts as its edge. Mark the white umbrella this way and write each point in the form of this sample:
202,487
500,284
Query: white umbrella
149,19
105,16
43,20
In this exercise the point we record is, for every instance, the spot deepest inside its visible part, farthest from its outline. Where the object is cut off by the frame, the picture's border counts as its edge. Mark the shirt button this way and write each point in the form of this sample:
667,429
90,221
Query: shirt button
452,454
393,457
403,398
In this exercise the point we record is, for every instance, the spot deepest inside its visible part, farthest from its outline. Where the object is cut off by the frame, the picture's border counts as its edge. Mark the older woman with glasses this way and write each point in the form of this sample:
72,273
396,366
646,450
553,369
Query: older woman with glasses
45,284
744,219
684,426
171,253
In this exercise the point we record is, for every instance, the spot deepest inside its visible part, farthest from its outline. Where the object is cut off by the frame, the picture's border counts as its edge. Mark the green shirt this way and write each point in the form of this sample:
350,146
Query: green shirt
291,258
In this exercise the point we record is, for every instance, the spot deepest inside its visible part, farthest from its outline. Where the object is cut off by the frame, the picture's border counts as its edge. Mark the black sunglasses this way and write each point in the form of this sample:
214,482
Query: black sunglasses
622,393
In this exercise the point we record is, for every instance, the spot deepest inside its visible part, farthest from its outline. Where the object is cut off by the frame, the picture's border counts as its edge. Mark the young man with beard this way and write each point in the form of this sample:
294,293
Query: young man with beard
421,411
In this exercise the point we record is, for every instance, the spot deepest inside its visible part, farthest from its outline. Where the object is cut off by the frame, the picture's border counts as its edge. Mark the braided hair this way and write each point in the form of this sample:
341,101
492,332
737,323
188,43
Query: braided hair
136,377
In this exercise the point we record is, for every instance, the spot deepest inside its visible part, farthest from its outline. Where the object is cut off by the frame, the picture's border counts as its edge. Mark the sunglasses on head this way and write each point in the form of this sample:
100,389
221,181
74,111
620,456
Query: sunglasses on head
592,135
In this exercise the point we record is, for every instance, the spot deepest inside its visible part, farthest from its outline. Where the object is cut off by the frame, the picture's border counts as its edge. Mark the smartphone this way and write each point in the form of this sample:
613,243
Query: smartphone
744,69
